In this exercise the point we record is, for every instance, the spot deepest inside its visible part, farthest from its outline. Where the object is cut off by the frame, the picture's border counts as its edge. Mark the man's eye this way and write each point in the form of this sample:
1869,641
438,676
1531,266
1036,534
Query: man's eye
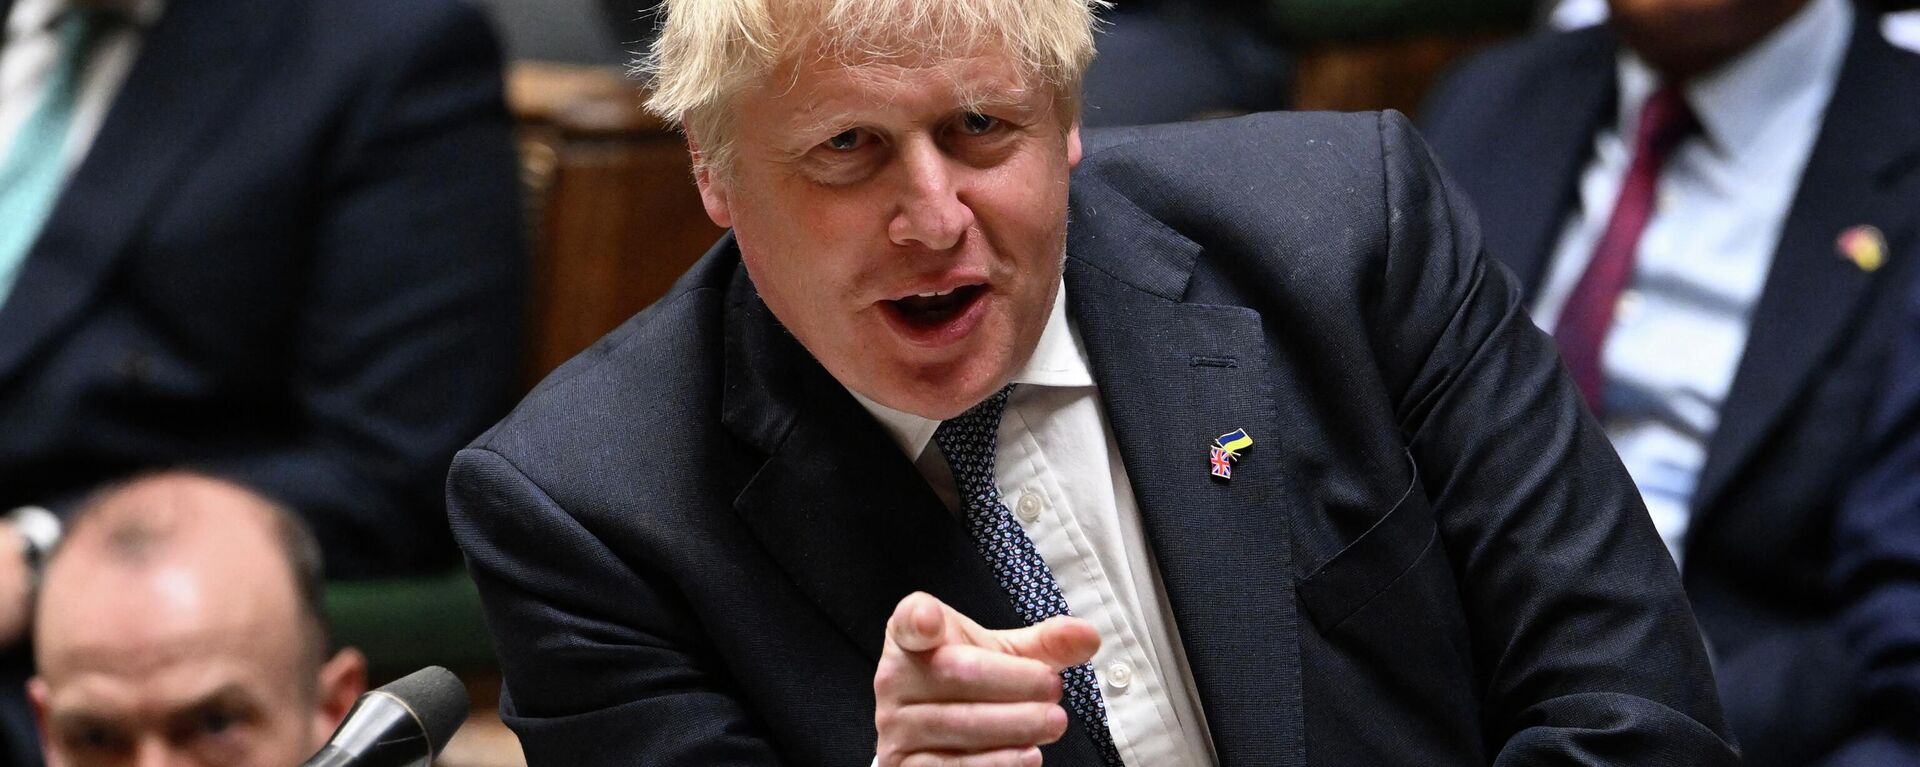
844,141
215,722
95,739
974,123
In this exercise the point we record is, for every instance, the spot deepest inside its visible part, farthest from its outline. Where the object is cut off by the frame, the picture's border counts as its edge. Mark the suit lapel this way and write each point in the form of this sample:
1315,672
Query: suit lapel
1871,131
837,502
1173,377
1538,175
189,64
839,506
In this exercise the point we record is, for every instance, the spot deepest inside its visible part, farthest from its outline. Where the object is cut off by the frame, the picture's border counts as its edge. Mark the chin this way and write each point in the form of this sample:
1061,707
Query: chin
939,393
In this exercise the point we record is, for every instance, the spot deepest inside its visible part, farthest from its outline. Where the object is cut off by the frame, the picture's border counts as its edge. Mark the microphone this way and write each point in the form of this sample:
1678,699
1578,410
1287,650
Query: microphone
404,724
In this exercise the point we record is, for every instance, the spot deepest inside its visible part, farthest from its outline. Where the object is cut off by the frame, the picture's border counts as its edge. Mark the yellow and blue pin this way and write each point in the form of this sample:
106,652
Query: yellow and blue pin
1226,450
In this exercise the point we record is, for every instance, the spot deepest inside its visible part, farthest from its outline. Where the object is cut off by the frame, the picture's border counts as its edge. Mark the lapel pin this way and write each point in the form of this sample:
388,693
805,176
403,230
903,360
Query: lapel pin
1864,246
1225,450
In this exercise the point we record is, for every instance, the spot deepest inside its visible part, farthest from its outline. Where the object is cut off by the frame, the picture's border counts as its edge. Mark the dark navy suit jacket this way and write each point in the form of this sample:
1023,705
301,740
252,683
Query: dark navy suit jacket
292,256
689,539
1516,128
1878,565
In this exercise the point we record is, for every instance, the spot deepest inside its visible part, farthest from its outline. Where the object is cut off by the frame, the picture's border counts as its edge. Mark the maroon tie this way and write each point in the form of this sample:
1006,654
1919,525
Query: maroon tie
1588,315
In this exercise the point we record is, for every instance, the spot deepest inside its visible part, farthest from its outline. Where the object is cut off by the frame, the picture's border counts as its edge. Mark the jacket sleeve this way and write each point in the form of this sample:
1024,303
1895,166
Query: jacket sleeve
1582,635
602,664
408,341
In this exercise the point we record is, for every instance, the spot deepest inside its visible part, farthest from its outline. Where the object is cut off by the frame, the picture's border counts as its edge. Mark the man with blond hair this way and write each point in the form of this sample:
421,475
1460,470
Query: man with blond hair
973,445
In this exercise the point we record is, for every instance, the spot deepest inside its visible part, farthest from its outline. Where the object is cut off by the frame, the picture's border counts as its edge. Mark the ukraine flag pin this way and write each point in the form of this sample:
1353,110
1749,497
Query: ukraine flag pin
1226,450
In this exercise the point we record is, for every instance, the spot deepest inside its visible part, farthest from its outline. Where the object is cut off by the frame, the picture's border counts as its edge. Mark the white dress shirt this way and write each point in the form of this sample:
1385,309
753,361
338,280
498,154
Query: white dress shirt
1059,470
1722,200
32,47
1902,28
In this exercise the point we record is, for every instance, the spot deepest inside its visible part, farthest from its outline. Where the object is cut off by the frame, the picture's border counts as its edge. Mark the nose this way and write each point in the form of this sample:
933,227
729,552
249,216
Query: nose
156,752
930,213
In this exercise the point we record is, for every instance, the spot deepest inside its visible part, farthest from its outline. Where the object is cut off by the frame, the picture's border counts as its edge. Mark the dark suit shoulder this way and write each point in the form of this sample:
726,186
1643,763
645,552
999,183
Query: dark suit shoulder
1240,178
372,47
1200,152
1293,203
1491,83
624,402
385,24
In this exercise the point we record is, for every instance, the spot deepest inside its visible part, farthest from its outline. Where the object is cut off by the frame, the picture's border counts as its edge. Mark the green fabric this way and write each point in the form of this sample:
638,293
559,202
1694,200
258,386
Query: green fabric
406,623
1316,21
35,166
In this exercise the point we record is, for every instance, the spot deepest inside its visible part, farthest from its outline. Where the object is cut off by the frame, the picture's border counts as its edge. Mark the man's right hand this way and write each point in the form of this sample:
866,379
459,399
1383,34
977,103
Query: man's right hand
949,692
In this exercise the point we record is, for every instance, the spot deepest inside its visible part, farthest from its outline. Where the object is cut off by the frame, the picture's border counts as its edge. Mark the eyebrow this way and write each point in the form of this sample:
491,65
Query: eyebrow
230,694
835,121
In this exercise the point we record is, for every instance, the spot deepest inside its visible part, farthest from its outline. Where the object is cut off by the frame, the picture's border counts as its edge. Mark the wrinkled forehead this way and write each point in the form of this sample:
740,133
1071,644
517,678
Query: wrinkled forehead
118,692
883,35
827,90
971,70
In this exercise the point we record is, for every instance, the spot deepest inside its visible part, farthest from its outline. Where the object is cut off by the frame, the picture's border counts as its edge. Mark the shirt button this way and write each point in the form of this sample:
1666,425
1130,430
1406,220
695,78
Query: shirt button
1119,675
1028,509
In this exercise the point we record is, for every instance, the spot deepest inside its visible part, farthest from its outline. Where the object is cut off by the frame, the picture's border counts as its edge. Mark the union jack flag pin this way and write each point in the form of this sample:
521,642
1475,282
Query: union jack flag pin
1225,450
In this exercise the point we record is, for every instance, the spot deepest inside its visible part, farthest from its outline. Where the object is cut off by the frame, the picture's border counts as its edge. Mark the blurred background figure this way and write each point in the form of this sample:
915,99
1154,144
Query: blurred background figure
1713,204
180,624
581,32
277,239
1166,61
1899,19
280,240
1878,572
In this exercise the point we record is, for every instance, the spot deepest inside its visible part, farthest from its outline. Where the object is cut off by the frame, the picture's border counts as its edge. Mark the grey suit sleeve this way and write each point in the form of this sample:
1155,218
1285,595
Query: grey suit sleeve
602,665
1582,635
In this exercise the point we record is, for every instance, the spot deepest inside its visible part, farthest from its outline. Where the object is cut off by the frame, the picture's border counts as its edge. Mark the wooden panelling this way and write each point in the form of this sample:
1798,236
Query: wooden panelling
617,218
1393,74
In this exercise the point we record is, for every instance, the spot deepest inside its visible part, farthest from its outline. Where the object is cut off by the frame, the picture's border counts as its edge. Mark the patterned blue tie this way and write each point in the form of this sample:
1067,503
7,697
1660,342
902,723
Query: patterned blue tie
34,169
969,440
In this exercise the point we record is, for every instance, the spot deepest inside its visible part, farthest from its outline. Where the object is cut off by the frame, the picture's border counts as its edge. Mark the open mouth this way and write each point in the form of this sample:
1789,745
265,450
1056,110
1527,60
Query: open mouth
934,309
933,318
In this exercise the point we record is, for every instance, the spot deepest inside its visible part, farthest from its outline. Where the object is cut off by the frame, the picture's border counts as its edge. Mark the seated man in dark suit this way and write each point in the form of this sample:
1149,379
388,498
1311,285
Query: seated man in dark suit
277,239
1878,567
1226,447
1707,204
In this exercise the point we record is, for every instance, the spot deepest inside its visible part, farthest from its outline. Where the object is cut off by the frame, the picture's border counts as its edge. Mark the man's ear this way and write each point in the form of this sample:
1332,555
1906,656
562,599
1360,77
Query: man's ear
1073,145
342,679
713,189
37,695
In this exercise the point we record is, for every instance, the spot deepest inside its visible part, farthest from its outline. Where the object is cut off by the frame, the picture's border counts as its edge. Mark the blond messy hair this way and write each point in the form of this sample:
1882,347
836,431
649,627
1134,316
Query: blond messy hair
708,51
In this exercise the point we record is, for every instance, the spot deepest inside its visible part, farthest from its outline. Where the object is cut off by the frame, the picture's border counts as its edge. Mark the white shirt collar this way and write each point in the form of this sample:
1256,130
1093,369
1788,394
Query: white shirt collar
1058,361
1740,102
33,16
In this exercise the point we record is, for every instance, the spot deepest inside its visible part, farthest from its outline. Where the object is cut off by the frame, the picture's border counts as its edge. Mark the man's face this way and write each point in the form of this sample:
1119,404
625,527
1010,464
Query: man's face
182,663
1686,38
905,220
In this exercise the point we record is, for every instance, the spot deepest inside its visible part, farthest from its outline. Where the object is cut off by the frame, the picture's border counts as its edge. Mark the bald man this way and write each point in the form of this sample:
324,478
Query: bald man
180,624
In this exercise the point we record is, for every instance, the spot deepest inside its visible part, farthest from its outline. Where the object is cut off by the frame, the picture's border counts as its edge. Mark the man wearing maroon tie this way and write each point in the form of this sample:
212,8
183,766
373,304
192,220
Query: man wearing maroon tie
1706,203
